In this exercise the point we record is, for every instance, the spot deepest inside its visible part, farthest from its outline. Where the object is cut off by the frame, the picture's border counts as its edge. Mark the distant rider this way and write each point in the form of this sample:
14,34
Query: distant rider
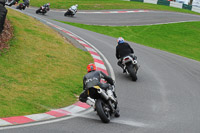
92,78
47,6
73,8
26,2
123,49
12,2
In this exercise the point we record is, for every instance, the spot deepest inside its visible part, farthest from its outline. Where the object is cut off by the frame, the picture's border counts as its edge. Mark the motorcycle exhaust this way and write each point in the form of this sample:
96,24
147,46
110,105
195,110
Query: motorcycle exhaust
103,94
110,94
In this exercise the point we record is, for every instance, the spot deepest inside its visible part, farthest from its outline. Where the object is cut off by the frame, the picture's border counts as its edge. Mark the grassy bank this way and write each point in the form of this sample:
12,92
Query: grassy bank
105,4
179,38
40,71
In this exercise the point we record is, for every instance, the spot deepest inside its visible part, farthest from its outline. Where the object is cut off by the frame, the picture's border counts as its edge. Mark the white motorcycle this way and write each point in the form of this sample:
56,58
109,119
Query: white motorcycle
130,66
71,11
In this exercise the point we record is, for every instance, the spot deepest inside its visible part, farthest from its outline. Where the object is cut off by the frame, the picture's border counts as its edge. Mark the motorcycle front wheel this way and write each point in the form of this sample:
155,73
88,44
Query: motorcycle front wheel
37,11
65,14
103,111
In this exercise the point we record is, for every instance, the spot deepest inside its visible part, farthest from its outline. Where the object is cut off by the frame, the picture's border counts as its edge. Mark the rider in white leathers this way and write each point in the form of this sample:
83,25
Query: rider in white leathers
73,8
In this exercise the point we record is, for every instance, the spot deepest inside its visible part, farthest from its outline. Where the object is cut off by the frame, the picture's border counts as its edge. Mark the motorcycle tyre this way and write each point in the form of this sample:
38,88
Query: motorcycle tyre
132,71
117,114
37,11
104,116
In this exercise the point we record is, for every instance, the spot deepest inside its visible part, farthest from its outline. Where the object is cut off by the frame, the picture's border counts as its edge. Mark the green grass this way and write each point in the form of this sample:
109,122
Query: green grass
179,38
105,4
40,71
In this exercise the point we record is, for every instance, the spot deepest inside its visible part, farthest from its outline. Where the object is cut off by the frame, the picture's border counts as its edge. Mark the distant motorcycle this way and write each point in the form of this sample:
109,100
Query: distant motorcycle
42,10
130,66
11,2
71,11
105,103
21,6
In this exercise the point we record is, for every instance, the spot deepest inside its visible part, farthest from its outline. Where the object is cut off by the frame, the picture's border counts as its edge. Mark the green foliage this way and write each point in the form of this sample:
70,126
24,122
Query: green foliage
40,71
179,38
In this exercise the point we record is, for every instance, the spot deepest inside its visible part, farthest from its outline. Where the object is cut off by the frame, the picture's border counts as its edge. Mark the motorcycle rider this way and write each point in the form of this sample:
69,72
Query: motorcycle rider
26,2
47,6
124,49
73,8
23,5
12,2
92,78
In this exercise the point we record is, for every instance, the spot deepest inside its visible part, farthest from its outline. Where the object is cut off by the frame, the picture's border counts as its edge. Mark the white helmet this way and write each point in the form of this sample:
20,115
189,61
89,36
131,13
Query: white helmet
76,5
120,40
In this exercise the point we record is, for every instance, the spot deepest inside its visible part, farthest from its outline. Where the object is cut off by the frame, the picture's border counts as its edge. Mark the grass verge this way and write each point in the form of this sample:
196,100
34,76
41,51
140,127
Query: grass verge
178,38
106,4
40,71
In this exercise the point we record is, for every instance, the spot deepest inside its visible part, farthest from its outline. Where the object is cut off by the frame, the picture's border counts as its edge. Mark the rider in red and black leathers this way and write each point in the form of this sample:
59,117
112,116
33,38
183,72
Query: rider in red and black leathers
93,78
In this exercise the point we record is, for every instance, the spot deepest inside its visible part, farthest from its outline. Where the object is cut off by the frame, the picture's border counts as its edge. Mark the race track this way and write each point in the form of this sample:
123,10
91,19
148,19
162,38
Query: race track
165,98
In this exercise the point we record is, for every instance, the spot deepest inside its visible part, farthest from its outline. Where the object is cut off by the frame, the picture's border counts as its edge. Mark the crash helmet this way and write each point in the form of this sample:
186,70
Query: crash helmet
120,40
76,5
91,67
48,4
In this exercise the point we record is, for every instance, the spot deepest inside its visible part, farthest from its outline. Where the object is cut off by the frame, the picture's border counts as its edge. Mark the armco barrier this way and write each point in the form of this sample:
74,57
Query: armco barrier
176,4
163,2
151,1
195,9
138,0
171,3
3,12
189,7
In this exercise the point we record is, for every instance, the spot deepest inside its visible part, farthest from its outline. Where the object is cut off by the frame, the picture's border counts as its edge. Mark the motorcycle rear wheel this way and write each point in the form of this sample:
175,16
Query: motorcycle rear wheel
132,71
102,112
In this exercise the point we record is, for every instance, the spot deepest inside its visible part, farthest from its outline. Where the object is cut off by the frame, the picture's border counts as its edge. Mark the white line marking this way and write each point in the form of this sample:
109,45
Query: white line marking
42,122
115,120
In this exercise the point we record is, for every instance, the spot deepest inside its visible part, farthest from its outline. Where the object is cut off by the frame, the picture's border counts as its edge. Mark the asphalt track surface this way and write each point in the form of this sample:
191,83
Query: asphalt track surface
165,98
139,17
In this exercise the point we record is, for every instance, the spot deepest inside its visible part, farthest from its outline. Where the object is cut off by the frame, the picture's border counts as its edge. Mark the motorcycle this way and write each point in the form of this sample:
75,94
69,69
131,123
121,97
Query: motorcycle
105,103
11,2
71,11
42,10
21,6
130,66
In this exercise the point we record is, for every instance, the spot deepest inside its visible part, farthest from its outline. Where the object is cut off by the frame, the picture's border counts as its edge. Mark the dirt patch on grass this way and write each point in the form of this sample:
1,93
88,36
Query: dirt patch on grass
5,36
